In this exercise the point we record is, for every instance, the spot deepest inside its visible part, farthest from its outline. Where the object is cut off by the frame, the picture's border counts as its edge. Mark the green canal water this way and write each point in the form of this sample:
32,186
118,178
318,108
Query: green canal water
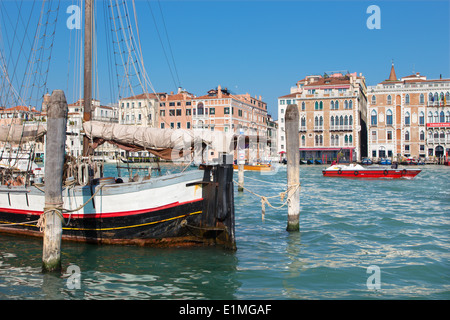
358,239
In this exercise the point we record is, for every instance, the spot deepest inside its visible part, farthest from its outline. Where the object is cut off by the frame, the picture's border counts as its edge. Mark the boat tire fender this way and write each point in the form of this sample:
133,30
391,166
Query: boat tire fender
356,173
339,172
385,172
404,172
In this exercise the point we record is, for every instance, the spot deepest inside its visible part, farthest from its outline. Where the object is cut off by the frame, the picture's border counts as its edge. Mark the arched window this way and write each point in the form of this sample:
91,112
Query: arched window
321,140
407,135
316,106
422,135
332,140
442,96
321,105
442,136
303,122
407,99
441,116
317,140
436,136
346,121
430,97
436,117
350,139
332,105
407,118
303,106
373,118
350,104
332,121
341,121
436,96
389,117
336,121
447,116
430,117
374,99
321,121
336,140
345,140
447,97
421,99
350,120
421,118
430,136
303,140
336,105
345,104
389,99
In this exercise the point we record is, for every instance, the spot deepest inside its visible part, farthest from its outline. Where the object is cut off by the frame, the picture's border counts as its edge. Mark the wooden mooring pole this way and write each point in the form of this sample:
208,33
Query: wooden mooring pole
54,162
293,166
241,160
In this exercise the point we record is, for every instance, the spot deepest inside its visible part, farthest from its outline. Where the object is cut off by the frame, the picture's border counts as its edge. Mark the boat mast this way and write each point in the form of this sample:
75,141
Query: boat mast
87,69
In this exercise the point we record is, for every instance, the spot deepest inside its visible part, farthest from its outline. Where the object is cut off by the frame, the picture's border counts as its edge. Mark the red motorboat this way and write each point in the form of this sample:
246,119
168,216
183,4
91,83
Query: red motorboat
358,171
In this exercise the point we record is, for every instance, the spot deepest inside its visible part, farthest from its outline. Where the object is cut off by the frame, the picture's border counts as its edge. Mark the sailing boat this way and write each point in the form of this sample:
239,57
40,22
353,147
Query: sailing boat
188,208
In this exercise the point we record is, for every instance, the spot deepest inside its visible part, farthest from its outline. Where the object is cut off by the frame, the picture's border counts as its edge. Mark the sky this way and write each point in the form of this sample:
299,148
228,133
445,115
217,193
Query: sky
264,47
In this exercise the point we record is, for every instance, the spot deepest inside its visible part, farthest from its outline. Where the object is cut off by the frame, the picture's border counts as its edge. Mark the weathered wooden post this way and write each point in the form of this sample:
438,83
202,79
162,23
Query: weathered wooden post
241,160
293,166
54,162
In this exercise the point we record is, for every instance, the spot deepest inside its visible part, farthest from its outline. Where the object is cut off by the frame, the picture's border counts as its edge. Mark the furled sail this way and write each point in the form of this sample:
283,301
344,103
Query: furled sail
168,144
21,133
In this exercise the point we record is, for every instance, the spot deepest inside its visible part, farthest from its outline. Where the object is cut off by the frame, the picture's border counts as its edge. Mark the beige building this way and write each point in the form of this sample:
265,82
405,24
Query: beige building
333,111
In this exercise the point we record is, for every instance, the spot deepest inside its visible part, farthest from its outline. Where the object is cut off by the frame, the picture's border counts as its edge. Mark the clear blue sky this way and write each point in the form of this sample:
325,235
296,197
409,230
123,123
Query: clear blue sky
264,47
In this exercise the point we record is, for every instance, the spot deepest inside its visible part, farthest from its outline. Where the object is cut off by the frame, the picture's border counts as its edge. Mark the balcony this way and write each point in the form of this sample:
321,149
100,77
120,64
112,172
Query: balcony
437,103
318,128
302,128
341,128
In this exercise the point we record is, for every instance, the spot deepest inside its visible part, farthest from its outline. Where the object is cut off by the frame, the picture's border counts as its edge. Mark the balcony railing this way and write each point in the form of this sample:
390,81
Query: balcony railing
341,128
437,103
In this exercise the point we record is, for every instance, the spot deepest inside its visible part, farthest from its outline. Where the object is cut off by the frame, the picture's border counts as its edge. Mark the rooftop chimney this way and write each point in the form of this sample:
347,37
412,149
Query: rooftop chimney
219,92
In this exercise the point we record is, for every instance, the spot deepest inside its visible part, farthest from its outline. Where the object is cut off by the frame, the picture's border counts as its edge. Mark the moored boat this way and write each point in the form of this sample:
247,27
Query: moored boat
358,171
255,167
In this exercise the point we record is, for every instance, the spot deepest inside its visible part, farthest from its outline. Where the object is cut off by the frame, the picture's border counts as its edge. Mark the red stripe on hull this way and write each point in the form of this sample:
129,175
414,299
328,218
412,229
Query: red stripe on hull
103,215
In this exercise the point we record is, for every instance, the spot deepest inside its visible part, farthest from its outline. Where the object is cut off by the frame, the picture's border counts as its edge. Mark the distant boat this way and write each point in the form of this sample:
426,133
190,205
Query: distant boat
385,161
358,171
255,167
367,161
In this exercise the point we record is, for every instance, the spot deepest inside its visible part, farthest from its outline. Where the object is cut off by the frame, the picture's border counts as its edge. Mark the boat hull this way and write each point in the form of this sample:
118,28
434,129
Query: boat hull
259,167
174,210
375,173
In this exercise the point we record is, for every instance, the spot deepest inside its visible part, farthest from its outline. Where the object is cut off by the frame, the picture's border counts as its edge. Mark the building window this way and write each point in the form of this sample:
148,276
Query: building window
407,99
389,117
162,125
389,135
172,112
178,112
407,118
188,125
336,140
447,116
178,125
303,141
350,120
374,136
407,135
188,112
374,100
212,110
332,140
162,113
171,104
226,110
320,105
422,135
422,99
303,106
345,104
421,118
332,105
441,116
389,99
316,105
436,117
172,125
430,117
336,105
350,104
373,118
